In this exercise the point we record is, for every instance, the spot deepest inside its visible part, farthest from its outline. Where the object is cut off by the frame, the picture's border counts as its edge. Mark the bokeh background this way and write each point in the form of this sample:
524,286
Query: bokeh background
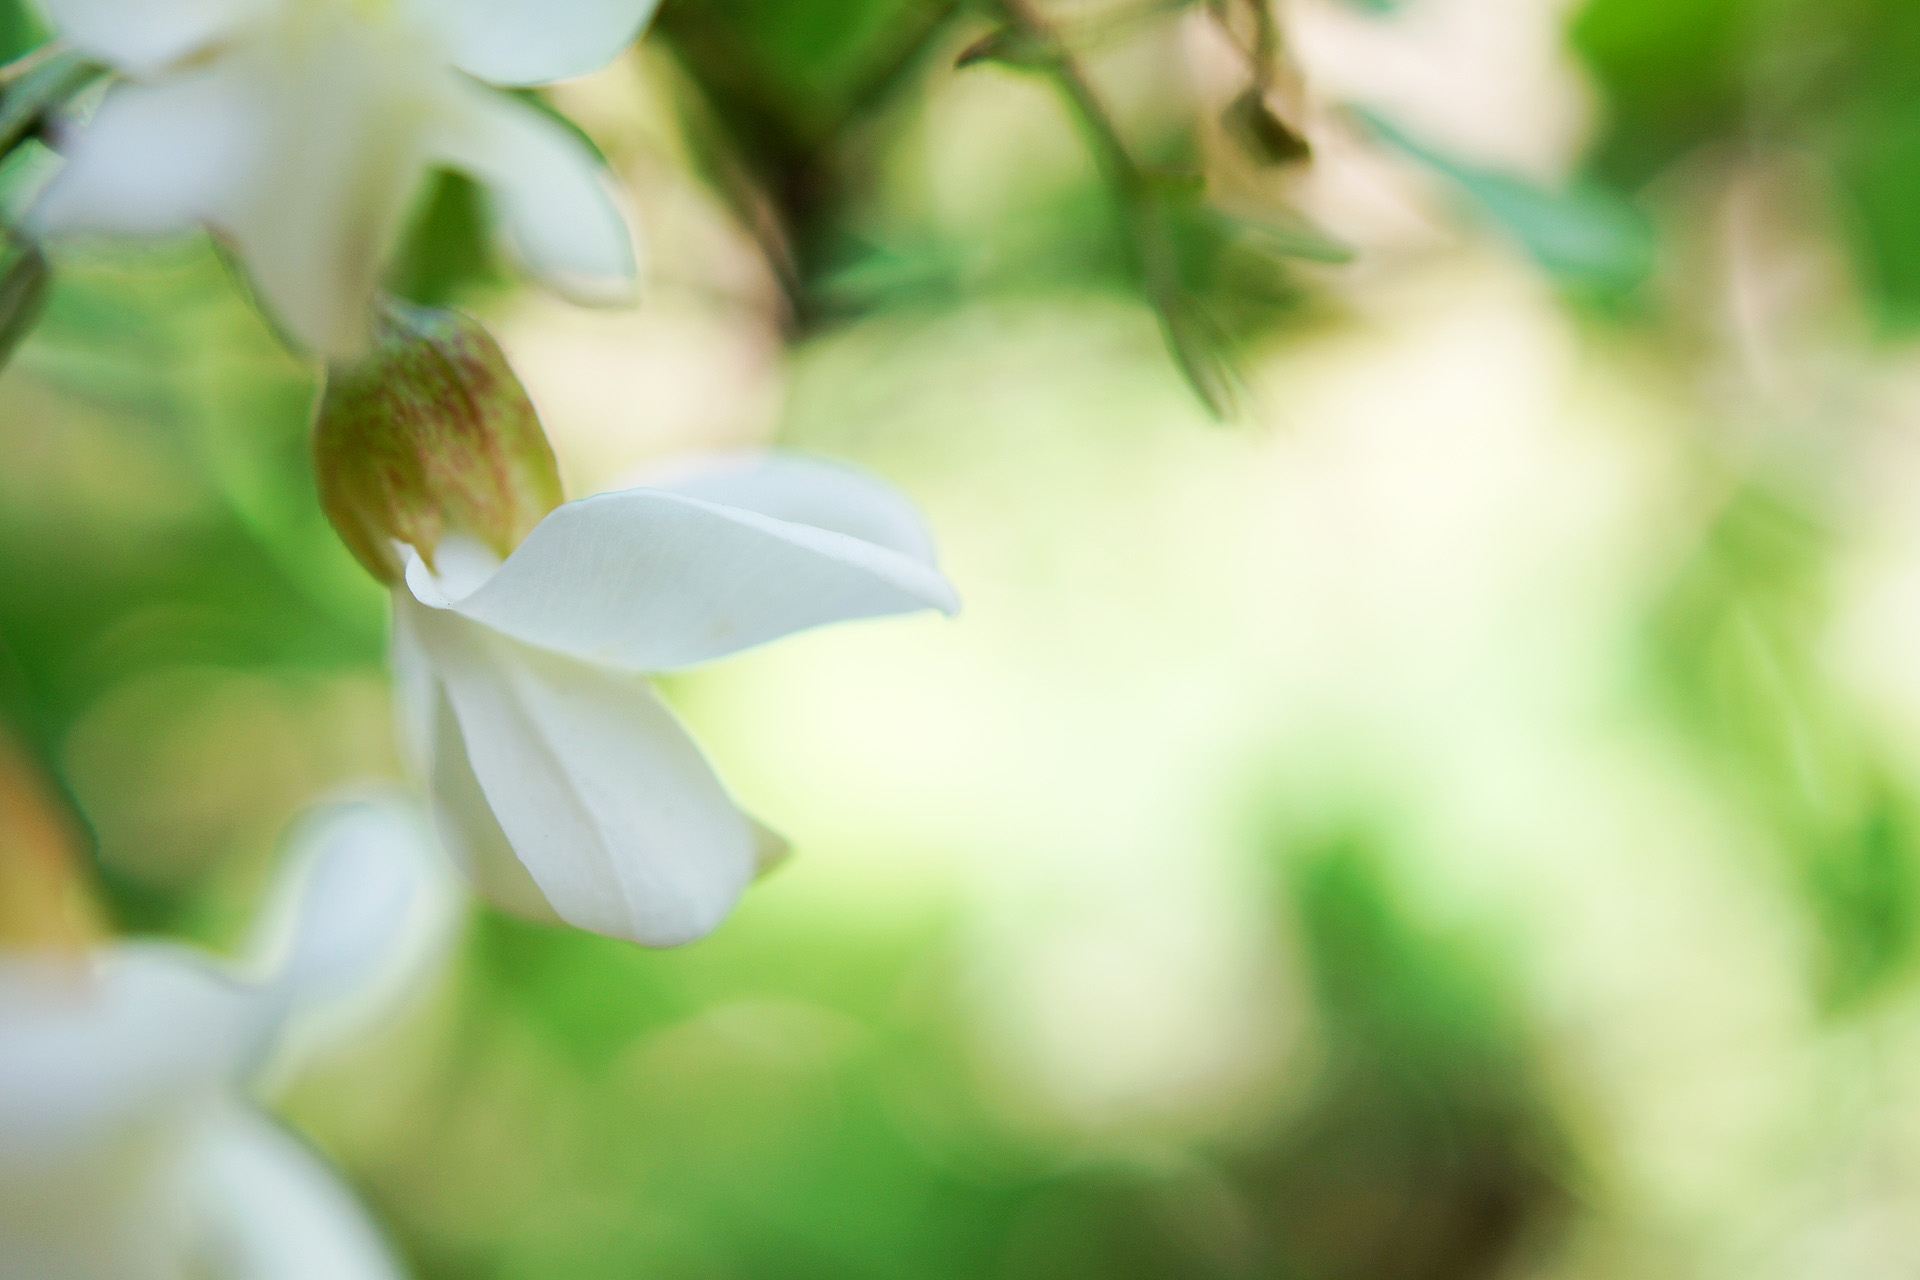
1427,781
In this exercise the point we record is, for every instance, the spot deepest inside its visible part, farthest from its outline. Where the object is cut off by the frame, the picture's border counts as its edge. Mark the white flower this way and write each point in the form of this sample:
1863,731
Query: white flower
301,130
562,783
126,1149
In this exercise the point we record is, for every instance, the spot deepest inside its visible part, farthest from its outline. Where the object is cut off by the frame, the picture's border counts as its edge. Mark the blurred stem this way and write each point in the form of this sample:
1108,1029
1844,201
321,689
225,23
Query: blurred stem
1140,202
1117,164
780,183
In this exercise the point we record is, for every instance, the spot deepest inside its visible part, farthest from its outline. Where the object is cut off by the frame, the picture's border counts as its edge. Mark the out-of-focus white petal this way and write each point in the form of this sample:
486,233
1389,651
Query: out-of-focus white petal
605,799
649,579
272,1211
468,831
555,207
800,490
526,42
106,1068
140,37
364,913
158,159
347,106
86,1052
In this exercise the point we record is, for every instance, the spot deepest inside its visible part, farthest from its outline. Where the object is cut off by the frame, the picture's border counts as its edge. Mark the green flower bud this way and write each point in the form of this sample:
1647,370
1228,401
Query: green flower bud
429,434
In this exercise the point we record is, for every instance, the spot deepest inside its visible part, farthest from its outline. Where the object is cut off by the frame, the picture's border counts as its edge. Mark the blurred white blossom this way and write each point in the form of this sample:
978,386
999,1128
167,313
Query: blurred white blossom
561,782
302,130
127,1151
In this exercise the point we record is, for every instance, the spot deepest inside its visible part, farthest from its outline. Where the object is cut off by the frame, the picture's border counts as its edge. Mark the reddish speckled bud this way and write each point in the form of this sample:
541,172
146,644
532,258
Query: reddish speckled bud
429,434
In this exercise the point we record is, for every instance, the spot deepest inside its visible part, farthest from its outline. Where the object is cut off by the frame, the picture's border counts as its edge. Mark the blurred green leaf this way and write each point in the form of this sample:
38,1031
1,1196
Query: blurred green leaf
1425,1148
22,29
1009,47
24,281
1584,236
1671,73
38,85
1737,651
448,253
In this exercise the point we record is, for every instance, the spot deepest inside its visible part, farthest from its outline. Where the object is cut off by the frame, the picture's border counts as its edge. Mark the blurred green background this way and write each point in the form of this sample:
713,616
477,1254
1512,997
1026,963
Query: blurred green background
1427,781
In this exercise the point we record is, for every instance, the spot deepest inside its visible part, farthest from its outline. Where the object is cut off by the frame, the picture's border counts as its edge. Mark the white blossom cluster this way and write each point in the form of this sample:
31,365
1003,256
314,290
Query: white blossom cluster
300,133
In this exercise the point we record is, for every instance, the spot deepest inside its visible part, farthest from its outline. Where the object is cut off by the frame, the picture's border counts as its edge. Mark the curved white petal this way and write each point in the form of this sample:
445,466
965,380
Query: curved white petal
650,579
605,799
364,914
469,830
800,490
272,1211
527,42
158,159
555,208
140,37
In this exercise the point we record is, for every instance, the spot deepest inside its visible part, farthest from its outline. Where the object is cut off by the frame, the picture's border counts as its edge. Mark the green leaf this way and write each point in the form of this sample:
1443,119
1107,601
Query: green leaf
37,85
1583,235
23,295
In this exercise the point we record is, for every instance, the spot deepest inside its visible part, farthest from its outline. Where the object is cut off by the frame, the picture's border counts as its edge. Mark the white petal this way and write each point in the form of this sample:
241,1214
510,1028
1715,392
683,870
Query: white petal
800,490
649,579
469,830
556,209
140,37
105,1071
526,42
90,1051
607,802
347,107
157,159
104,1077
273,1211
364,914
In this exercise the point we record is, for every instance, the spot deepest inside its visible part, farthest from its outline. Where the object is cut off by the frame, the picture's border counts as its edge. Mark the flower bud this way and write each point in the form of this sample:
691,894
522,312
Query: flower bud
429,434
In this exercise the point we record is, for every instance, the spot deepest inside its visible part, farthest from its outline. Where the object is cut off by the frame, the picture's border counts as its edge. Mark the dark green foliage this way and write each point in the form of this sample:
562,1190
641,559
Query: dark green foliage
779,91
1425,1151
448,254
22,29
1671,75
1830,80
24,280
